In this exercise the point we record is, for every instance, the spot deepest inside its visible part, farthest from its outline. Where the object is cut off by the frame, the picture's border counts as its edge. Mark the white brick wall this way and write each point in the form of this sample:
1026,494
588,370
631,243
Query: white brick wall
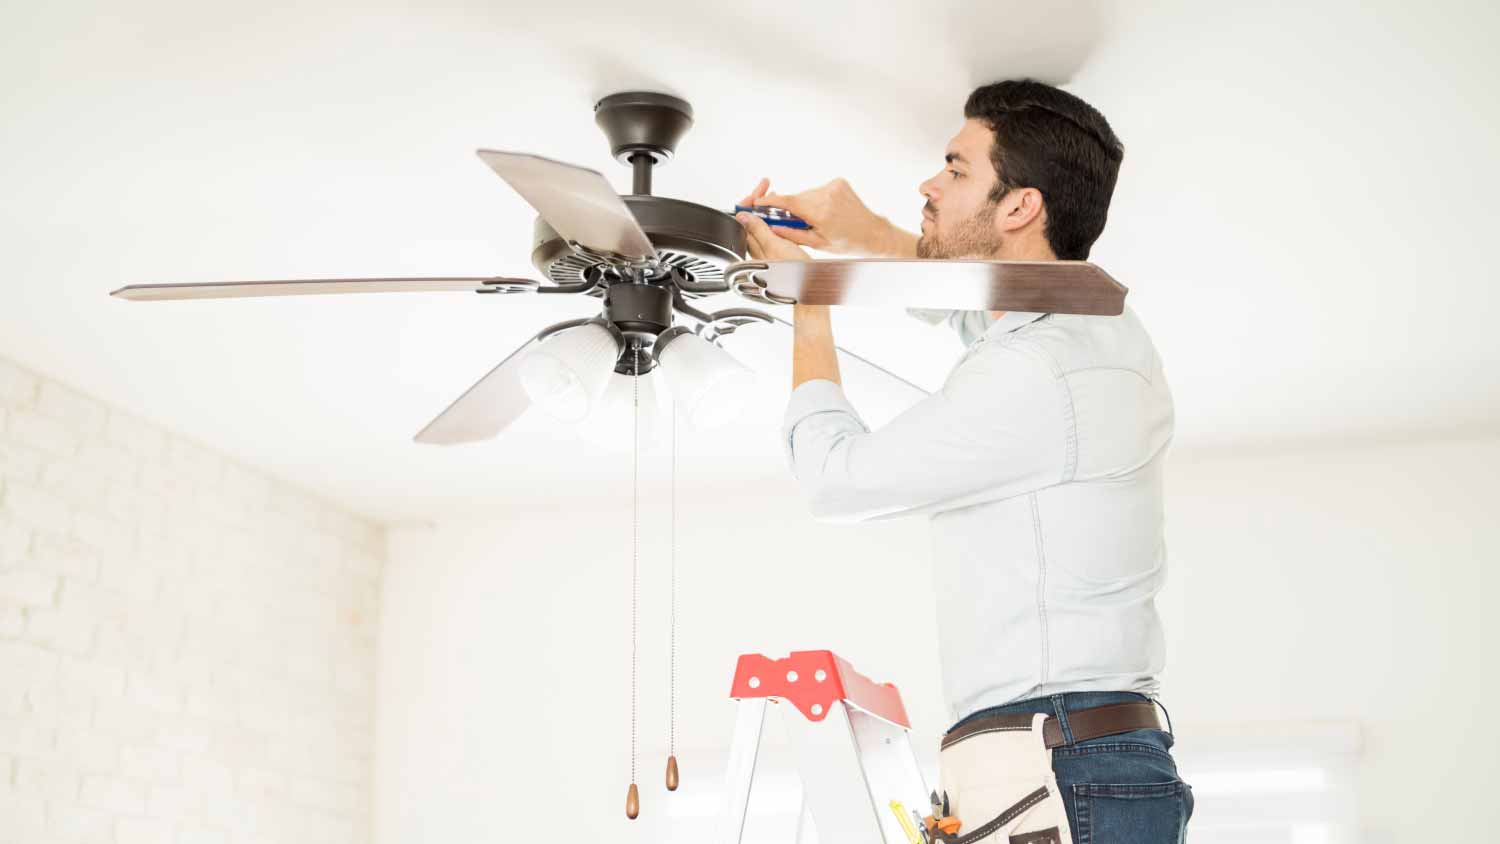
187,647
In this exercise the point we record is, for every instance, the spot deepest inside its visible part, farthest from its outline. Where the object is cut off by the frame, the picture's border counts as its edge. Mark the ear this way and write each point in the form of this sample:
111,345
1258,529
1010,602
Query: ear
1019,208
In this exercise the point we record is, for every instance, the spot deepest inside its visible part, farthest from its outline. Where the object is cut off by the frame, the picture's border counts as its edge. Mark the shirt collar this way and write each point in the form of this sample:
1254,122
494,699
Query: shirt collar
1011,321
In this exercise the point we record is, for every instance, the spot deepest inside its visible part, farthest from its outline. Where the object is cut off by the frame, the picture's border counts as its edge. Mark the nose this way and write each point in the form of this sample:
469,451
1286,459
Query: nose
929,190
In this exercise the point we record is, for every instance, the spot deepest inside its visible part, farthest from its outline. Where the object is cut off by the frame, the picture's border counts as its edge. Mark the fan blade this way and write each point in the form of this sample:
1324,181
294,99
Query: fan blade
495,401
485,409
319,286
850,361
575,201
1054,287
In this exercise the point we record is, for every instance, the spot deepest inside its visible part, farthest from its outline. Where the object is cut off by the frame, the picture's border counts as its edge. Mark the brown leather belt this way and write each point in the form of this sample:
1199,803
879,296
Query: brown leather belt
1085,724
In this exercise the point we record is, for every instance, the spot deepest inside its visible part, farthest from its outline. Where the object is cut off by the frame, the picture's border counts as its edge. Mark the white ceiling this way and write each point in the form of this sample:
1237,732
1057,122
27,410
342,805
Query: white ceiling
1301,216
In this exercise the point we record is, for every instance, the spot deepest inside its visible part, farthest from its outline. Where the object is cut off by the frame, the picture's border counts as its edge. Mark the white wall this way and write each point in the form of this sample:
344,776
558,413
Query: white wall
1329,586
505,646
1342,583
187,647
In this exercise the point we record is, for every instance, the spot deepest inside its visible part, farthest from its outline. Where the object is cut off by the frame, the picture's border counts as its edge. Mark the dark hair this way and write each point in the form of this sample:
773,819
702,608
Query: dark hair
1048,139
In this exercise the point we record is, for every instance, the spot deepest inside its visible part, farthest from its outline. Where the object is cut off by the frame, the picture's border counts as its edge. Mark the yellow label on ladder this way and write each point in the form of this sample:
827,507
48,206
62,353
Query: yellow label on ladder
911,832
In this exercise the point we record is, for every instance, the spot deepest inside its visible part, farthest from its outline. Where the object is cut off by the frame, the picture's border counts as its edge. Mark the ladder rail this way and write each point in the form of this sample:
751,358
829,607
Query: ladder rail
739,773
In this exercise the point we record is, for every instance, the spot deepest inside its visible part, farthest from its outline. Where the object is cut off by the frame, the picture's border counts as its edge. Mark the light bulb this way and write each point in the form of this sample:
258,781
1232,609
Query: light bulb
565,374
709,385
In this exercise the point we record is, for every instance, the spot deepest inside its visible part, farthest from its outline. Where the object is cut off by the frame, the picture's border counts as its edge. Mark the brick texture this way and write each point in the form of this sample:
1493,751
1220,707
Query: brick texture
187,647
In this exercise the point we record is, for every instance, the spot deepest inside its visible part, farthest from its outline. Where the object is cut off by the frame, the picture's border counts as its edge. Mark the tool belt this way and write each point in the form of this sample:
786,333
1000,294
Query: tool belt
997,779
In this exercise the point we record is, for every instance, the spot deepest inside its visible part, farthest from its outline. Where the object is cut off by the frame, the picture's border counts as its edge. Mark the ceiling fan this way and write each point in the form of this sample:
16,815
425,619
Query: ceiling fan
648,258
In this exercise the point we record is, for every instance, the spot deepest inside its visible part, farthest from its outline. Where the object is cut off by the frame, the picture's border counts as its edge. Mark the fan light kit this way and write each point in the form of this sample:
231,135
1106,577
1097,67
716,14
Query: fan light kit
566,374
706,382
647,259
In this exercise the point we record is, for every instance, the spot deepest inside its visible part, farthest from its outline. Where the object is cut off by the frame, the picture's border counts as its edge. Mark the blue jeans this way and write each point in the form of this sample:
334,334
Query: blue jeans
1120,789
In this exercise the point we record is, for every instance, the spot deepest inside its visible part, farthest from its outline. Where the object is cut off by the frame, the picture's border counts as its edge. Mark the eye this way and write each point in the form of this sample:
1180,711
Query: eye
956,174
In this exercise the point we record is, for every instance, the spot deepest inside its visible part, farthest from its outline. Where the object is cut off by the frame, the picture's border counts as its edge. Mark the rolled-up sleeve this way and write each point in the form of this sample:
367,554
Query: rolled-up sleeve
1001,426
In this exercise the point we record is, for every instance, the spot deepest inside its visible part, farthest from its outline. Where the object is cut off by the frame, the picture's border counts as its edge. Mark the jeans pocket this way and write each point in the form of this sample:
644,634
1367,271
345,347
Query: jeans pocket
1145,813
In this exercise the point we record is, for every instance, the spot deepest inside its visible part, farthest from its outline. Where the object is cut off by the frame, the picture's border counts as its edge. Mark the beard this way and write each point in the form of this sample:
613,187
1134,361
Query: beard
971,238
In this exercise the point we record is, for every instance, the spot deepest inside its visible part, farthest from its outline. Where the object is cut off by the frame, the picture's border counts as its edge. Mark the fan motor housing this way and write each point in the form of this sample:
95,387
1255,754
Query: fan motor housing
699,241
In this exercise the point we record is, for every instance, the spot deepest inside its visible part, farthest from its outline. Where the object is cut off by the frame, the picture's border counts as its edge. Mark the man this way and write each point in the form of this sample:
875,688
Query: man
1039,463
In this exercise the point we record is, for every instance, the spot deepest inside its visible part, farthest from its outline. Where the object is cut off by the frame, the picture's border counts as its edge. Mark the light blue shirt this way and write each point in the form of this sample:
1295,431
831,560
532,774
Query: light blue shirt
1039,464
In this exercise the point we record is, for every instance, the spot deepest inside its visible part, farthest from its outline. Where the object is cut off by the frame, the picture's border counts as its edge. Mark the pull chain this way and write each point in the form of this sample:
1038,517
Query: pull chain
633,798
672,664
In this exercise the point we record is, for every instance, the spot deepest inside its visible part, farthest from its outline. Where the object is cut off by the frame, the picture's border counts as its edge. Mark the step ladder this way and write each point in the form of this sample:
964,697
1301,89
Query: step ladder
860,777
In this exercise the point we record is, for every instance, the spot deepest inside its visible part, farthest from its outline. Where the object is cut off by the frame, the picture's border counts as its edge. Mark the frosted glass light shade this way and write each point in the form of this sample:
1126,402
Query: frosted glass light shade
708,384
566,373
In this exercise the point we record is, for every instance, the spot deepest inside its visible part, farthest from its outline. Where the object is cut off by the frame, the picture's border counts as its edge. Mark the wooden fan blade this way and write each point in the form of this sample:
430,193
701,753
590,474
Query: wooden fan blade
320,286
575,201
1057,287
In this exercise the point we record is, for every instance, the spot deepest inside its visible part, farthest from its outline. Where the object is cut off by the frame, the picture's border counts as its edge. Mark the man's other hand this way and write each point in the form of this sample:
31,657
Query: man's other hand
840,221
764,243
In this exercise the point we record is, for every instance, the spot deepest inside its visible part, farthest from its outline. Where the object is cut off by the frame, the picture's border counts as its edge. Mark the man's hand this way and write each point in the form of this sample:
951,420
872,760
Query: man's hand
813,353
765,245
841,223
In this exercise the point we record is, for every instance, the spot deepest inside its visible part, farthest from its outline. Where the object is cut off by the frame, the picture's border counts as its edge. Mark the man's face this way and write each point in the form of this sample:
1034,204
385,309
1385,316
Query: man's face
958,220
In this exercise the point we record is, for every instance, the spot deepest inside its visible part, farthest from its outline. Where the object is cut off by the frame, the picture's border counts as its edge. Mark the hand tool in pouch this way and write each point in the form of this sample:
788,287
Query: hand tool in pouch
1001,782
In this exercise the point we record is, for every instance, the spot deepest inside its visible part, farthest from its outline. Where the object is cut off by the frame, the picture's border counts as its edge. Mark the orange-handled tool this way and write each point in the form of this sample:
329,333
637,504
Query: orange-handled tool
948,825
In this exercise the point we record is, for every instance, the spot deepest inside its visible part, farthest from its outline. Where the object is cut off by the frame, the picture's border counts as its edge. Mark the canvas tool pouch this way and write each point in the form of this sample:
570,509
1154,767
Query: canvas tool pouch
1000,785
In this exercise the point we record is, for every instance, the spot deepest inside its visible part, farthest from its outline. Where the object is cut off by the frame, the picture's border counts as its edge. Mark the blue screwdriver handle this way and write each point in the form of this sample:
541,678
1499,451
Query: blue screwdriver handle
775,216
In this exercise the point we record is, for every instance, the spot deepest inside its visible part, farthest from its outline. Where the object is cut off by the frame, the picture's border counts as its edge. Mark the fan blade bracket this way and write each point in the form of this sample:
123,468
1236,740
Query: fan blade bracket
723,322
745,279
687,286
510,286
